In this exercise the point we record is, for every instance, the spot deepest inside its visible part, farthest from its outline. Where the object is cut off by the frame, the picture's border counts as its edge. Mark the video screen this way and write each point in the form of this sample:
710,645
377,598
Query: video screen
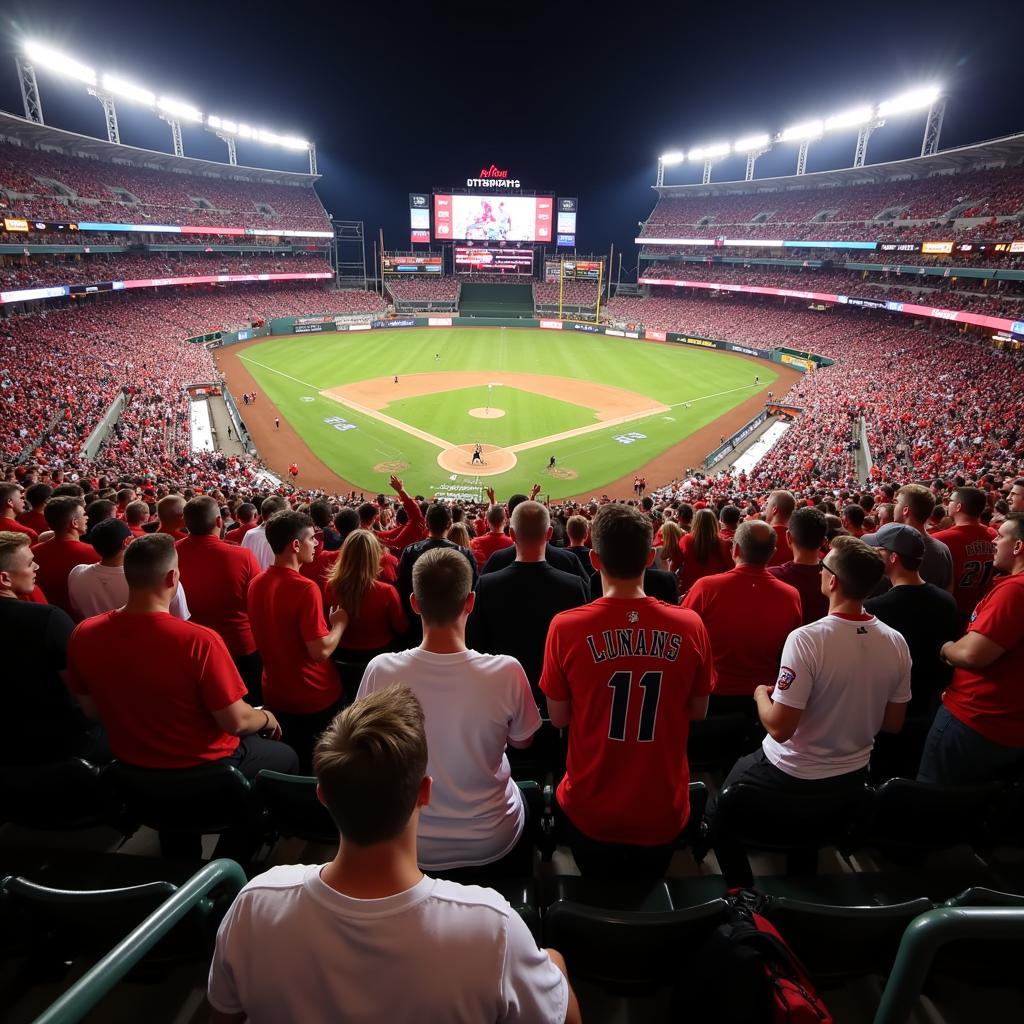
470,260
493,218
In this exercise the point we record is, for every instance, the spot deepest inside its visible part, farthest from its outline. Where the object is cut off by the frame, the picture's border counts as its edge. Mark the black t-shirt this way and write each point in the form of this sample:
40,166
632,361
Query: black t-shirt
926,617
43,721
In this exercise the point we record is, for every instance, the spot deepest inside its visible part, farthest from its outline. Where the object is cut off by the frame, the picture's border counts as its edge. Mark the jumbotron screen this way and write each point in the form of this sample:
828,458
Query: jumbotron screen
470,260
413,264
493,218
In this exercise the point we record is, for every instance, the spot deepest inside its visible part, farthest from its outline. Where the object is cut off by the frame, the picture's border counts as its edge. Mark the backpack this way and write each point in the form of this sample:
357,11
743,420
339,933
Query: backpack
745,973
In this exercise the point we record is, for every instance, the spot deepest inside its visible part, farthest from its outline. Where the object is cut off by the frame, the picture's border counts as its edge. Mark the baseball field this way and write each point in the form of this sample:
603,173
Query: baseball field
602,407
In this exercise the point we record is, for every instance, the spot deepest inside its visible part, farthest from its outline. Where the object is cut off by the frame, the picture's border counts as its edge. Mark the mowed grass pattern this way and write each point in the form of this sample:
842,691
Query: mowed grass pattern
292,371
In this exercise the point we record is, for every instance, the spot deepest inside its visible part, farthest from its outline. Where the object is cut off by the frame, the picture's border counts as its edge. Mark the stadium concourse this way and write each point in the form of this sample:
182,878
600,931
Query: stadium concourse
861,579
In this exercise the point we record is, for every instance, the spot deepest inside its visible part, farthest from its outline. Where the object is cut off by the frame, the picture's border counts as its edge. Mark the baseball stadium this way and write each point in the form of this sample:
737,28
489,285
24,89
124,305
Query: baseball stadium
444,578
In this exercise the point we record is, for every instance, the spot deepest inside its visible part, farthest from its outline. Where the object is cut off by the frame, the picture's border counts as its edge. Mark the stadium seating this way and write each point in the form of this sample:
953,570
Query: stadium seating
422,288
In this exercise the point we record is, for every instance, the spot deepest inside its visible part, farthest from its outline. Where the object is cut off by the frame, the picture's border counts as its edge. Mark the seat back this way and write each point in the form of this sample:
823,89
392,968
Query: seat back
210,799
294,810
628,952
718,741
67,794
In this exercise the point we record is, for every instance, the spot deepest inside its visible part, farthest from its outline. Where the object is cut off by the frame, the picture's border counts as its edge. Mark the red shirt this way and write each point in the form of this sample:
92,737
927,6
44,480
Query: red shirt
216,578
972,549
34,520
379,621
485,546
235,535
691,570
388,567
748,614
286,610
320,568
164,719
13,526
56,558
783,552
990,700
176,534
630,669
36,597
414,529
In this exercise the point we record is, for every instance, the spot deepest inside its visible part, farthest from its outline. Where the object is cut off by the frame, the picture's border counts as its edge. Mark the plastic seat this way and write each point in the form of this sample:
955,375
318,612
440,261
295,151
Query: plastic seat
67,794
293,807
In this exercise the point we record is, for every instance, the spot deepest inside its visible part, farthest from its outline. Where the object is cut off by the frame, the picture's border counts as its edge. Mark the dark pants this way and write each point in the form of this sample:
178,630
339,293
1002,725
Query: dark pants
256,753
302,731
250,668
621,861
956,755
517,863
756,771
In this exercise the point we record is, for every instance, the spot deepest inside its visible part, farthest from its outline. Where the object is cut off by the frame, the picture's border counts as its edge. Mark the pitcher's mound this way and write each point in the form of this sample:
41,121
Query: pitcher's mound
460,460
487,414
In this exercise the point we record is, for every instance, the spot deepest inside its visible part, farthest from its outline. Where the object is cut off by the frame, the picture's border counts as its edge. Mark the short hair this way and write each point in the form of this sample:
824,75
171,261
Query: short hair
320,513
972,498
108,537
69,491
918,498
684,514
531,522
441,580
516,499
272,504
783,501
148,559
60,511
125,494
246,512
855,514
346,521
8,491
807,527
858,567
98,510
367,512
285,526
496,516
10,543
729,517
756,541
136,513
438,519
201,516
370,762
1017,518
622,537
577,527
170,507
38,494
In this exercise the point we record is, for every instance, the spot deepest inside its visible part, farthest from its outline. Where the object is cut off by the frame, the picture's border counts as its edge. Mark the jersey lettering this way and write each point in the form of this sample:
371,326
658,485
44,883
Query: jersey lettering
621,684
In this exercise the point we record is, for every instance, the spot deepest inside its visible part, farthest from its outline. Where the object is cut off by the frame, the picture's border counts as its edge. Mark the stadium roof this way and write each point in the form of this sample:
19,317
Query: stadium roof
1005,151
41,136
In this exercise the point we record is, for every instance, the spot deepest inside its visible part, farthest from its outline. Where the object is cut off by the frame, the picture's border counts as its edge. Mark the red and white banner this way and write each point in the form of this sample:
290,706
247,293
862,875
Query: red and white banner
551,325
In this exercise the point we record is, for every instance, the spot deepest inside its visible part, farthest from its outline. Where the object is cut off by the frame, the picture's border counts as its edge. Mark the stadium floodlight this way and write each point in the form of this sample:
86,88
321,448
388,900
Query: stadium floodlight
852,118
674,157
292,142
916,99
709,152
751,142
800,132
179,109
59,62
243,131
119,87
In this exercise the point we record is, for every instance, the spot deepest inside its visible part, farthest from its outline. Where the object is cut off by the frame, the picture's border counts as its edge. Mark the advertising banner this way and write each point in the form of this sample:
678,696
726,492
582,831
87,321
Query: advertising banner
551,325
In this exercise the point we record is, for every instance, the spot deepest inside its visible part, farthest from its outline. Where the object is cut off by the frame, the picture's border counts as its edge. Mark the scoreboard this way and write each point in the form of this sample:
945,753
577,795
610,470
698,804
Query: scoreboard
572,270
473,260
413,265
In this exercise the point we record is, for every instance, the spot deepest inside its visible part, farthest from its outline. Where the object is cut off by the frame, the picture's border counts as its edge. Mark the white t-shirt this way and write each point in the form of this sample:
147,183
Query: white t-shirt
472,705
842,672
292,949
95,589
256,541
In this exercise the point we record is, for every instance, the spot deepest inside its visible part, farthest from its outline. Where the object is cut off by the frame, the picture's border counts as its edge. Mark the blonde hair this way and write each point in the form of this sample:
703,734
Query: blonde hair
355,570
671,535
705,535
10,542
458,534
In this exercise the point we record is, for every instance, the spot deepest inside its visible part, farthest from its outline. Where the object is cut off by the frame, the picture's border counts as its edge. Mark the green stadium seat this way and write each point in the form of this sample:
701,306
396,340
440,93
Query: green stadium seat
293,808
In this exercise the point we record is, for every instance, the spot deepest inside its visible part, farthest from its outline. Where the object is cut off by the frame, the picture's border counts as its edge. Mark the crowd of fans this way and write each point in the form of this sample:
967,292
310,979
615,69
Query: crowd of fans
569,293
423,288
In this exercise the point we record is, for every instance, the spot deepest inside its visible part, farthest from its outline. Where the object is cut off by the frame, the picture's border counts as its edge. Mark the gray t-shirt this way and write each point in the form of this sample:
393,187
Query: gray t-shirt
937,565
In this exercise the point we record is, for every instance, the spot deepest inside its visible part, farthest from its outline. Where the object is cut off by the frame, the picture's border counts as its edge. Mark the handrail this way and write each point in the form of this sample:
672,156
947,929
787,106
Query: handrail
925,935
101,978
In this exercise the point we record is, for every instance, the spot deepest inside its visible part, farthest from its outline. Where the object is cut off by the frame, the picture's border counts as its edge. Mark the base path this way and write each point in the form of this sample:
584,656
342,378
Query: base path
459,459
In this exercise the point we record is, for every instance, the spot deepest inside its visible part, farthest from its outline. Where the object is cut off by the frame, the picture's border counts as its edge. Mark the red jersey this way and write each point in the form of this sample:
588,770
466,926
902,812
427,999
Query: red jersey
34,520
380,619
973,549
388,567
176,534
13,526
56,558
234,536
783,552
748,614
216,578
167,722
630,669
990,700
691,570
286,610
485,546
414,529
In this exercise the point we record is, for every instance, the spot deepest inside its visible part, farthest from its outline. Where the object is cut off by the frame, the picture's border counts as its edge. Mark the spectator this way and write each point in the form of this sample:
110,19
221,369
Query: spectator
668,555
12,506
44,722
170,510
256,539
806,536
729,519
98,587
748,614
626,674
971,546
375,616
494,539
577,529
841,680
778,510
458,534
412,530
1016,495
483,964
295,642
702,551
884,514
218,576
37,496
853,520
59,555
246,516
514,607
978,733
475,704
97,512
320,513
136,513
914,504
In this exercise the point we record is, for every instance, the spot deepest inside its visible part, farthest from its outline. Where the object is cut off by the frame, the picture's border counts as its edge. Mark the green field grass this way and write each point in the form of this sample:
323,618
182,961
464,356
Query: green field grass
292,371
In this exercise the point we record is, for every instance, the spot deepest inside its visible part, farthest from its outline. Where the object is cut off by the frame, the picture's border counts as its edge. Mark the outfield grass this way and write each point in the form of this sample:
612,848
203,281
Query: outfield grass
292,371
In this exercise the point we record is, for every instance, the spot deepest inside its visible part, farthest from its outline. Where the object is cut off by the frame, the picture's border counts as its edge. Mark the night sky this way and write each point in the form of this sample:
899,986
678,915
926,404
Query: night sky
571,98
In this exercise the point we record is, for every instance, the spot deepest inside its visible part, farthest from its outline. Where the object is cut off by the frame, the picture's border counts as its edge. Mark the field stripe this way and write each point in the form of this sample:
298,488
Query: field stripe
280,373
389,420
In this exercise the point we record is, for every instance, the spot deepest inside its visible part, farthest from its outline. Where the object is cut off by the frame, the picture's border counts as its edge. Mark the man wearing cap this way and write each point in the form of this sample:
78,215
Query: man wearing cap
98,588
926,617
978,732
914,506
